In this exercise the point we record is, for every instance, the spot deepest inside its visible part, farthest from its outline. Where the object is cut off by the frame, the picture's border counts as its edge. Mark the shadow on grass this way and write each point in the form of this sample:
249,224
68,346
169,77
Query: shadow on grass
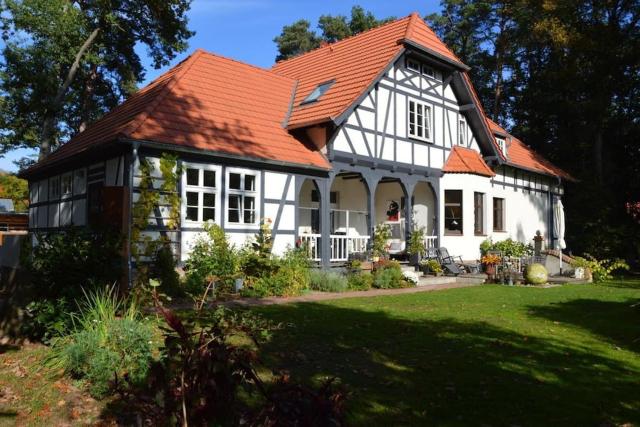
448,372
616,322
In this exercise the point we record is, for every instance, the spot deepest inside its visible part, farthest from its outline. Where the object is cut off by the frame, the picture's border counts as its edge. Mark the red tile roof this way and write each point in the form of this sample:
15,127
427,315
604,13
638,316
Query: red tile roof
521,155
206,102
466,160
354,64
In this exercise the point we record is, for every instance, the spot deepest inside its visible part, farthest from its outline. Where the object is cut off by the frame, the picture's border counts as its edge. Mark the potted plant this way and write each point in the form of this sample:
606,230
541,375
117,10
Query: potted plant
431,266
379,247
489,262
415,246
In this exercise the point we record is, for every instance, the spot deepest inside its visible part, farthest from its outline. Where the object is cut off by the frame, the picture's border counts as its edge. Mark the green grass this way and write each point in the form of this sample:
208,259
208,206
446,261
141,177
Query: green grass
489,355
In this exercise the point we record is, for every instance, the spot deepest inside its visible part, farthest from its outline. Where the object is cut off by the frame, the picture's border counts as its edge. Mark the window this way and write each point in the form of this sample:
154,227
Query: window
79,181
242,197
478,212
4,226
320,90
502,144
419,120
200,192
428,71
498,214
333,197
66,183
54,188
462,132
453,212
413,65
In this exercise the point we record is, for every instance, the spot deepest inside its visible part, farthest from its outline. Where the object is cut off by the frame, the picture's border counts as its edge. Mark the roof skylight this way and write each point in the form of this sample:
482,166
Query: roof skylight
320,90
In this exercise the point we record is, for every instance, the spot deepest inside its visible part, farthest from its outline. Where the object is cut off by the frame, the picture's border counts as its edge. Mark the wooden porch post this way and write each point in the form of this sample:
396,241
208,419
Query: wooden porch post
408,188
371,181
324,188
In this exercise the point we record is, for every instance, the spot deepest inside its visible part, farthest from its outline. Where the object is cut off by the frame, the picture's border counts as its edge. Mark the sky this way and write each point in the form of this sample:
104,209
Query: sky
244,30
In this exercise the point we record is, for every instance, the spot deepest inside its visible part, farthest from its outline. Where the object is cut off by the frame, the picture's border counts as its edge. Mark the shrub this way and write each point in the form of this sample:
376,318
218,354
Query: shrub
328,281
432,265
508,247
285,276
62,265
211,256
389,275
110,344
381,235
361,281
164,269
600,269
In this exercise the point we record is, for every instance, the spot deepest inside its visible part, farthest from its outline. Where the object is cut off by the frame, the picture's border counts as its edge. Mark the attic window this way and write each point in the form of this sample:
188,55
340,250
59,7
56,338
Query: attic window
320,90
428,71
413,65
502,144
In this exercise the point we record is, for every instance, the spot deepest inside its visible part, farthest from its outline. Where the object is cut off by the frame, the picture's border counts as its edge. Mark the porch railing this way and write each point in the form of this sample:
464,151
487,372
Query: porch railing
430,242
341,246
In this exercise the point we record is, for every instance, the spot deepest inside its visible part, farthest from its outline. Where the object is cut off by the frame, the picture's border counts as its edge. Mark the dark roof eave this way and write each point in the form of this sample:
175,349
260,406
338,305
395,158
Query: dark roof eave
539,172
456,64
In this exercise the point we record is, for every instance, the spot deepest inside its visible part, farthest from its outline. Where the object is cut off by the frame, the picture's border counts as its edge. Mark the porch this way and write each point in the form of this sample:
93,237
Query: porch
354,204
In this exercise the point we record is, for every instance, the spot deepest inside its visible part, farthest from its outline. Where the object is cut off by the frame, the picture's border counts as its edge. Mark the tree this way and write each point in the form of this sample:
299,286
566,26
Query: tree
68,62
298,37
16,189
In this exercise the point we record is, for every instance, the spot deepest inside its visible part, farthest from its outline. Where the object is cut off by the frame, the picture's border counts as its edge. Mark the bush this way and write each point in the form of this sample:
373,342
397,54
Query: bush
328,281
110,345
508,247
360,281
600,269
211,256
164,269
285,276
62,265
389,275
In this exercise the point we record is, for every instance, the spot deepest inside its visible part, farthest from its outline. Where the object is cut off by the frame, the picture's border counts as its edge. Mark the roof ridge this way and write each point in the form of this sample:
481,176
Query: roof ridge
412,24
135,124
334,44
237,61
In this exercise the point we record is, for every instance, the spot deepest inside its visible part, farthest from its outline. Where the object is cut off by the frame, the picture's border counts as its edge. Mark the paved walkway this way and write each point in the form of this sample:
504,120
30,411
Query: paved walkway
325,296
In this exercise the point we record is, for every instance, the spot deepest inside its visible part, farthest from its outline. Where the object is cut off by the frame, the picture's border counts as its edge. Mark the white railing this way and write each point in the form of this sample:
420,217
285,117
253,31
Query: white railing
341,246
430,242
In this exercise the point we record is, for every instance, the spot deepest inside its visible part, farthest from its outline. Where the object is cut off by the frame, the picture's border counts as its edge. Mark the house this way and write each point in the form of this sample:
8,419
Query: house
10,220
382,127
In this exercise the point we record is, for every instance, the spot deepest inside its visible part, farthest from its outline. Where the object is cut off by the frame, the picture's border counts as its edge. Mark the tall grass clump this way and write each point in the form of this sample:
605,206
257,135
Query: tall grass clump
328,281
110,346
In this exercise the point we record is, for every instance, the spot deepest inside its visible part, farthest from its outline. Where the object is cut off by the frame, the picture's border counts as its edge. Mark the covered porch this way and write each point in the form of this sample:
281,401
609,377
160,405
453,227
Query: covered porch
354,203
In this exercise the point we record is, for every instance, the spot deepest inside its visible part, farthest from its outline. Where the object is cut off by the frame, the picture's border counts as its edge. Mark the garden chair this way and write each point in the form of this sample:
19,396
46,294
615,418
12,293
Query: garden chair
449,262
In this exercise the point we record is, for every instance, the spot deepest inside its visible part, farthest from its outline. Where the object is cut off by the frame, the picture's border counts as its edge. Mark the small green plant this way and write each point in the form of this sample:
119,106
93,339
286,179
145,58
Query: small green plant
328,281
508,248
110,344
388,275
415,244
431,265
381,235
361,281
600,269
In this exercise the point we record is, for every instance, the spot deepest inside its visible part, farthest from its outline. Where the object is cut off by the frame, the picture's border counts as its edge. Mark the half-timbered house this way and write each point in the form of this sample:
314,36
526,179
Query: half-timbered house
384,126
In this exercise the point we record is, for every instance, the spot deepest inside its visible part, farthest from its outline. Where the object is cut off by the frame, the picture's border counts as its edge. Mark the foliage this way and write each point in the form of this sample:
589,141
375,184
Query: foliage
285,276
600,269
171,173
47,318
381,235
163,268
298,37
46,99
432,265
212,256
361,281
389,275
508,247
328,281
109,345
16,189
203,374
415,244
490,259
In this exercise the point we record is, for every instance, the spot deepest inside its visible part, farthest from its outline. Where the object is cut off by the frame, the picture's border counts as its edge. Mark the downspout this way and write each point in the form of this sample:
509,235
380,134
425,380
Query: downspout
134,159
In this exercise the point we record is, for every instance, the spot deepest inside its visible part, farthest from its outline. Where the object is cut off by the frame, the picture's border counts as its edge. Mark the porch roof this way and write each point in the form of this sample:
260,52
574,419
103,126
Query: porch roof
466,160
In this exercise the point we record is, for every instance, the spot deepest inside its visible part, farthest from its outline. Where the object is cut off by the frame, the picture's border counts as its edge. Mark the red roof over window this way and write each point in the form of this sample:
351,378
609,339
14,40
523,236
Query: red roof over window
466,160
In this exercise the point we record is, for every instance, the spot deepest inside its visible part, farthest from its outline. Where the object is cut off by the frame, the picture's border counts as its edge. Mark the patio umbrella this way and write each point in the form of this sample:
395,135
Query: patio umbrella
558,228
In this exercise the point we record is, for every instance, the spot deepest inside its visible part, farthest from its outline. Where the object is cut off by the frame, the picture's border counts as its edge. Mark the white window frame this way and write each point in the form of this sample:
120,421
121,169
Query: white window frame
430,71
69,176
415,70
502,143
80,181
54,183
427,120
255,194
200,189
462,132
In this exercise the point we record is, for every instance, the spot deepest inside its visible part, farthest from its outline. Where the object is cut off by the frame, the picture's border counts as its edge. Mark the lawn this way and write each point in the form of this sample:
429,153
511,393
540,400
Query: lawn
486,355
489,355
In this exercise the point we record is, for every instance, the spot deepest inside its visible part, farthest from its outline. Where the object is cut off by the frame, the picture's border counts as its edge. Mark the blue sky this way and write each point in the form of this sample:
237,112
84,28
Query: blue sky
244,29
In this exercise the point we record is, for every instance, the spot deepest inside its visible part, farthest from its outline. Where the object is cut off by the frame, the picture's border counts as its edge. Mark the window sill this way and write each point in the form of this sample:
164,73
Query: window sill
454,234
417,138
499,231
479,234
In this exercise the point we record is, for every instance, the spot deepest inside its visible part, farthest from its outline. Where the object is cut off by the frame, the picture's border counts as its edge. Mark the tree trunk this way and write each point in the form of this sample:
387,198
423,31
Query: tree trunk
50,116
87,99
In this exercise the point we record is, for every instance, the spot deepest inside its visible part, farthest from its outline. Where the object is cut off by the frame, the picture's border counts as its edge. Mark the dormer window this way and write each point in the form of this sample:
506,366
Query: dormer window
502,143
320,90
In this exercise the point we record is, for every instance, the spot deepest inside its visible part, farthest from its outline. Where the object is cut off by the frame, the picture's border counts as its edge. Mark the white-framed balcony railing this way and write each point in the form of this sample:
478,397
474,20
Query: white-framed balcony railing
341,246
430,242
